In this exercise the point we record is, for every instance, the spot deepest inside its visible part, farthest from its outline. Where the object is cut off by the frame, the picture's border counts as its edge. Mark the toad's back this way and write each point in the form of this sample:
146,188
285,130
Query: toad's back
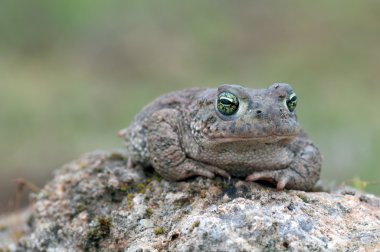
136,134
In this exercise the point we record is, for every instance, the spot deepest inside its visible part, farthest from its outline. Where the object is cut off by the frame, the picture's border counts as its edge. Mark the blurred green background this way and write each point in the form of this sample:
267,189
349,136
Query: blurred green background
75,72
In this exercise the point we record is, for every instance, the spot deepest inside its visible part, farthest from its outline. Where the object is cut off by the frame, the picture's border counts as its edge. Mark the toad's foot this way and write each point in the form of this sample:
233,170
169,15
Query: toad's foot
204,168
280,177
189,168
284,178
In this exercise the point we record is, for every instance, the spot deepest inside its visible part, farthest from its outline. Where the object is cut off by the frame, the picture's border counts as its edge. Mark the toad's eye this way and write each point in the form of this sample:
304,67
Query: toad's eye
227,103
291,102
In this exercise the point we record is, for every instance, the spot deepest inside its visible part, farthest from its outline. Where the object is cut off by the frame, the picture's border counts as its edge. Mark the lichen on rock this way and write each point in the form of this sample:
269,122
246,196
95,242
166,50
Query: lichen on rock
96,204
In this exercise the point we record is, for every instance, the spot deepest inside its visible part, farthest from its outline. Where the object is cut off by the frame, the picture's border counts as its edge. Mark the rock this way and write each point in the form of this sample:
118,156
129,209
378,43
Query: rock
97,204
12,227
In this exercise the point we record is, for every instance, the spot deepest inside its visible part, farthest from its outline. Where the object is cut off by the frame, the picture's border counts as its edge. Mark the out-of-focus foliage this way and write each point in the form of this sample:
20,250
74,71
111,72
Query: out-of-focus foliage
74,72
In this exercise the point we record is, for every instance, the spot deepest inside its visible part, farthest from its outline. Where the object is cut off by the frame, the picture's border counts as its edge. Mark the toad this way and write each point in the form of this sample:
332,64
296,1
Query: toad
228,131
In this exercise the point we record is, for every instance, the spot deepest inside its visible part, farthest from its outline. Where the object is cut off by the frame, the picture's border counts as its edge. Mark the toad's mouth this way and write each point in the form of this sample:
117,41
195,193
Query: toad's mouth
265,139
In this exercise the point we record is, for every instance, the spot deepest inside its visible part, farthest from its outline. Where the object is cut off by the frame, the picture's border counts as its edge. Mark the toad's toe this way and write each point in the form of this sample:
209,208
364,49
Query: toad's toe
276,177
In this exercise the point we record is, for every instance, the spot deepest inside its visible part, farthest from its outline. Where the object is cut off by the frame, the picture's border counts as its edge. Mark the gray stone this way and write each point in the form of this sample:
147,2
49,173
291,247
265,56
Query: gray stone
96,204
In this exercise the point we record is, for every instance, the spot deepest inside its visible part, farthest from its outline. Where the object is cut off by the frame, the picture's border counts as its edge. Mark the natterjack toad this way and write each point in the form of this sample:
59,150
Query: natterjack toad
232,130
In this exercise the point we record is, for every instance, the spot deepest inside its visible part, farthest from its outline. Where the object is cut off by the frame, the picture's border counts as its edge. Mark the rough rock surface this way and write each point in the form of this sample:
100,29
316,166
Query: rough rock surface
96,204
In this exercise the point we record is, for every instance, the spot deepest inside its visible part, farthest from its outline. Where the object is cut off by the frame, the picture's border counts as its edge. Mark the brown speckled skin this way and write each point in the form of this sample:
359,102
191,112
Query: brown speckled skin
182,134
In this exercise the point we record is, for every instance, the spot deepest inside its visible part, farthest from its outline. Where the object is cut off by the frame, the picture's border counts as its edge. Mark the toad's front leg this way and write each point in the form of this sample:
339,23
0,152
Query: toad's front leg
166,153
302,173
